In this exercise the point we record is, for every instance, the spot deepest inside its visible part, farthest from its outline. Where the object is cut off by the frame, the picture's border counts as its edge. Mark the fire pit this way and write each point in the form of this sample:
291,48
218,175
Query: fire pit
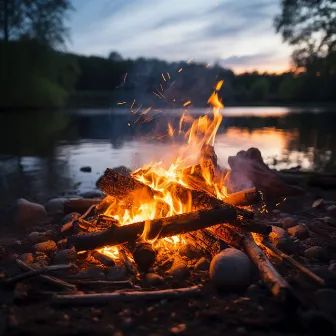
154,234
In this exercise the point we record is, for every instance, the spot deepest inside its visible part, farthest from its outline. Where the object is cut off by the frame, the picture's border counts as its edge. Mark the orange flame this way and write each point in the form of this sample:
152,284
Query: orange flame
162,178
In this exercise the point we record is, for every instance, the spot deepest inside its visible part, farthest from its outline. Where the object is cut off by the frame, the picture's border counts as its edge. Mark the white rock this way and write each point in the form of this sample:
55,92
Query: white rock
28,213
230,269
55,206
318,204
37,237
298,231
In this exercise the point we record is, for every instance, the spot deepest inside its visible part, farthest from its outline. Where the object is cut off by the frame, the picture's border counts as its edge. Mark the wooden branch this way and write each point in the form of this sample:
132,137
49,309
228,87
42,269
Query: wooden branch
159,228
103,298
104,283
203,242
228,234
294,263
124,186
104,259
245,197
48,279
36,272
272,279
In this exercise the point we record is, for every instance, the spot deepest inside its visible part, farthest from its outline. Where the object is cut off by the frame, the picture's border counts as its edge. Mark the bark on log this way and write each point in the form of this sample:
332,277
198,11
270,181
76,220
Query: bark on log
270,276
144,255
124,186
103,298
159,228
245,197
203,242
294,263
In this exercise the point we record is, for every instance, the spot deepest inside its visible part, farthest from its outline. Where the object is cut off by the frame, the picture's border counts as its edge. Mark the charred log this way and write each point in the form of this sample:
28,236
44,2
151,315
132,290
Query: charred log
162,227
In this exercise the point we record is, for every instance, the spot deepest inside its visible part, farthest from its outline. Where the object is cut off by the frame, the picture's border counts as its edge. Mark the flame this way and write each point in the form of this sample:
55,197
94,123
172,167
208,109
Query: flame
165,179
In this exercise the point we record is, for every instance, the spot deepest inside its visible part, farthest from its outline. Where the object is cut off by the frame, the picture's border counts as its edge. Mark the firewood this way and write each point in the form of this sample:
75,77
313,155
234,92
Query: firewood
48,279
270,276
245,197
33,273
144,255
124,186
103,298
103,283
203,242
294,263
104,259
159,228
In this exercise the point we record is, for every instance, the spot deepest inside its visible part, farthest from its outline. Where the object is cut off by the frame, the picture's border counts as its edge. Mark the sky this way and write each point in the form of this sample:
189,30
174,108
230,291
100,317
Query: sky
237,34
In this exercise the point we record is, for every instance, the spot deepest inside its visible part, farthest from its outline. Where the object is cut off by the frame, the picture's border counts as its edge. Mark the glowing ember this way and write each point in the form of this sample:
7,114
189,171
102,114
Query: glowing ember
201,132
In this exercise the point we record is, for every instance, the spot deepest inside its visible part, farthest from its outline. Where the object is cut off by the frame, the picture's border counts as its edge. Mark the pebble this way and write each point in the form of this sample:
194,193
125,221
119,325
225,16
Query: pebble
331,209
178,329
316,252
46,246
28,214
92,194
277,233
325,299
187,250
55,206
117,273
318,204
202,265
92,272
70,217
230,269
27,258
298,231
288,222
332,267
86,169
154,279
37,237
179,269
65,256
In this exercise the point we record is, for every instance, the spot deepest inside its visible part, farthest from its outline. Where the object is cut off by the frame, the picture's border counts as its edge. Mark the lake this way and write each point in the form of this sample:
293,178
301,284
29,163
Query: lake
41,153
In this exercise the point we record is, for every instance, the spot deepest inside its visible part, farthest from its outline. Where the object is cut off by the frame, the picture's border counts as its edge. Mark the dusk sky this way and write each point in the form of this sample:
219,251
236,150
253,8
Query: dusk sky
238,34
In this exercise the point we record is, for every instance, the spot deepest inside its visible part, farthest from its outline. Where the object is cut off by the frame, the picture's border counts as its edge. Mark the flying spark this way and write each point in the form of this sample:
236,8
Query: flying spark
190,59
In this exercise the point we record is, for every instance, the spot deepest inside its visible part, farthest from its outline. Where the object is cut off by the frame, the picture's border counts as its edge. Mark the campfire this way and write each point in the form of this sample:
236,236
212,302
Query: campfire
168,218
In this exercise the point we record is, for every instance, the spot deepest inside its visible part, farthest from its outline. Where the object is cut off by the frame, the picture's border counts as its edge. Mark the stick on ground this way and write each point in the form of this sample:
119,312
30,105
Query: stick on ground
294,263
103,298
49,279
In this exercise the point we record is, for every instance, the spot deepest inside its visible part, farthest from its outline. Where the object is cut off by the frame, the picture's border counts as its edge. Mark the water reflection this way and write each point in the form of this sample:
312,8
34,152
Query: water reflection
41,153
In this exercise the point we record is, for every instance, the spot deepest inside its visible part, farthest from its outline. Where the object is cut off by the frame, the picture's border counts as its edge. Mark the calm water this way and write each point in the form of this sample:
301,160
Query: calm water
41,153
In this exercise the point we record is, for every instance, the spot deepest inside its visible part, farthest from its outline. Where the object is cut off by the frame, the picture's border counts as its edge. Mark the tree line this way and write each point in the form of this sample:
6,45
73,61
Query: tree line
38,73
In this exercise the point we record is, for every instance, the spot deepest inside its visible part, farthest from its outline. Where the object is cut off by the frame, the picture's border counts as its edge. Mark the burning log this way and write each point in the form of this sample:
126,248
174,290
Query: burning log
245,197
203,242
49,279
159,228
104,259
144,255
103,298
124,186
294,263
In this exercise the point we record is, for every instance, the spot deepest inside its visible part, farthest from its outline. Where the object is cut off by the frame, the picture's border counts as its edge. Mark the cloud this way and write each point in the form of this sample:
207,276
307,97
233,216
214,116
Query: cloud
175,30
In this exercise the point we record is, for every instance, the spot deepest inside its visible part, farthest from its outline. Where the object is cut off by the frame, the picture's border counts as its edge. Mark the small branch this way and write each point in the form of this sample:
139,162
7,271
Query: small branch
103,298
36,272
104,283
47,278
294,263
274,281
